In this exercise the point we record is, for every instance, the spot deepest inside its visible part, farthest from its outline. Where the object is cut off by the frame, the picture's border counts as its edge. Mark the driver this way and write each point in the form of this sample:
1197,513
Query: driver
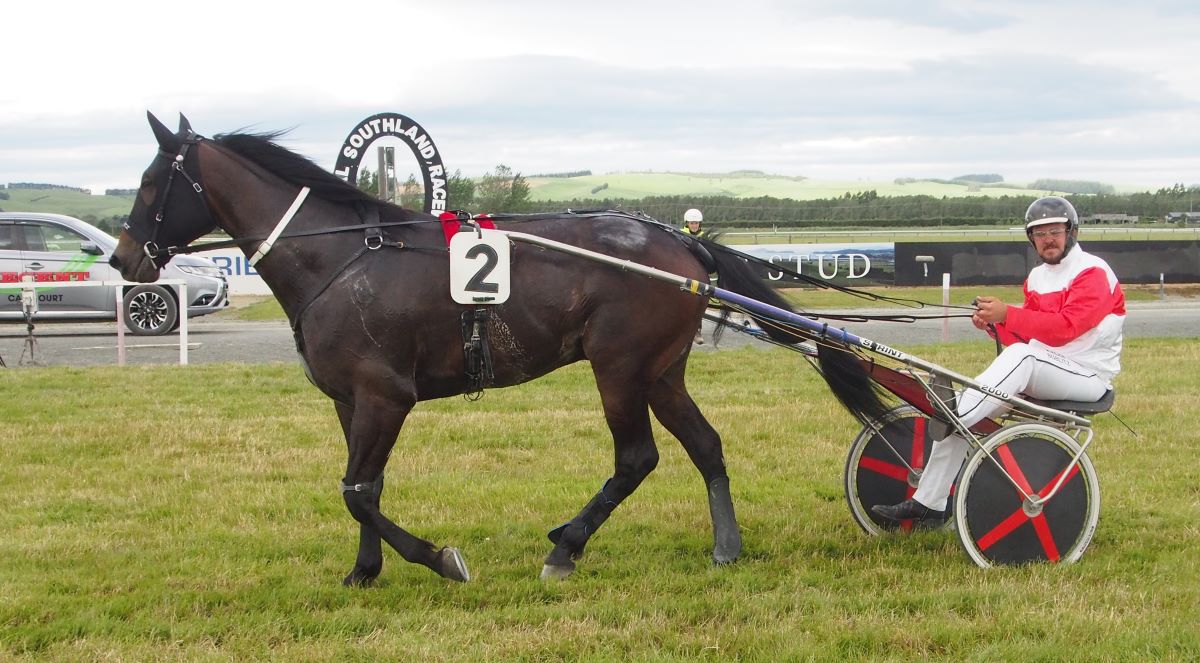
1063,343
692,220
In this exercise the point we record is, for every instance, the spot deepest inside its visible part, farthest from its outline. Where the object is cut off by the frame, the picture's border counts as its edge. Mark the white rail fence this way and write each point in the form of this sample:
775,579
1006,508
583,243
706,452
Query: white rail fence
30,288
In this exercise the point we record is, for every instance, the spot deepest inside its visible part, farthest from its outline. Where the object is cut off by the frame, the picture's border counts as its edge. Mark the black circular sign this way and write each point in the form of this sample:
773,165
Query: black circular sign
413,135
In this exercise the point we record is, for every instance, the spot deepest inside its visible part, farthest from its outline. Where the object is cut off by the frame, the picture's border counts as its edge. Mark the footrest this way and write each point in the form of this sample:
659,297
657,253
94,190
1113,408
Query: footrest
1079,407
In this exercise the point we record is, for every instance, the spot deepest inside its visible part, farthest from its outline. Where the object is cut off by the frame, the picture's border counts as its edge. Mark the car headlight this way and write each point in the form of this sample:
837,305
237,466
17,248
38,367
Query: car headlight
201,270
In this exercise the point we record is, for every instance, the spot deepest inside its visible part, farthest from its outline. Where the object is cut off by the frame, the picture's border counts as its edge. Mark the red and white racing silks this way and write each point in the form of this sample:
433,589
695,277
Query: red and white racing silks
1075,308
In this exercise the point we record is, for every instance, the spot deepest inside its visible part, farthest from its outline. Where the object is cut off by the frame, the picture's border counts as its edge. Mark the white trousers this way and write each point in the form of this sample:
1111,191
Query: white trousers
1020,369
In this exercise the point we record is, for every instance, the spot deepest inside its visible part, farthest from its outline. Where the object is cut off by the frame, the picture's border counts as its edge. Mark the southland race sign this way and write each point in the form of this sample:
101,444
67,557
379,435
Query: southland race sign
414,136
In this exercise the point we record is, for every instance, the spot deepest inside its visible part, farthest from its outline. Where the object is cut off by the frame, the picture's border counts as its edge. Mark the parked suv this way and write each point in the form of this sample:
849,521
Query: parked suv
52,247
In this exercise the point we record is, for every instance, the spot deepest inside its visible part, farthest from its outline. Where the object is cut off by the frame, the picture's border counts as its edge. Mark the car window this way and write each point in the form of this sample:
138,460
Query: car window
8,239
46,237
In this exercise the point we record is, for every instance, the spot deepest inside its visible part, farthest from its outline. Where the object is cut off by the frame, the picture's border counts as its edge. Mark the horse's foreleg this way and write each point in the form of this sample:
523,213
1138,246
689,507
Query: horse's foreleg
369,563
374,426
678,413
636,456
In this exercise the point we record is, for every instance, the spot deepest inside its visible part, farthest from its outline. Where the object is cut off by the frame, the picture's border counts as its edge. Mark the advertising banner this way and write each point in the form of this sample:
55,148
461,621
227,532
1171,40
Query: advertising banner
845,264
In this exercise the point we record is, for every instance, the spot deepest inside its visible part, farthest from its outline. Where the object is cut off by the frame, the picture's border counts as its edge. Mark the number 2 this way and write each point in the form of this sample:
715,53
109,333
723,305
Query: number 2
476,283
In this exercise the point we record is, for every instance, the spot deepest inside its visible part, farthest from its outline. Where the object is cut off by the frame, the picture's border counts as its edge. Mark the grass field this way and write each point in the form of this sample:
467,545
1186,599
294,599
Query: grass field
71,203
192,513
620,185
640,185
1090,235
267,308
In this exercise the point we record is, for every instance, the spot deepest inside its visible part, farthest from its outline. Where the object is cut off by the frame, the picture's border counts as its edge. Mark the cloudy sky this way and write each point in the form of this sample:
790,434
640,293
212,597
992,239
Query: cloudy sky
831,89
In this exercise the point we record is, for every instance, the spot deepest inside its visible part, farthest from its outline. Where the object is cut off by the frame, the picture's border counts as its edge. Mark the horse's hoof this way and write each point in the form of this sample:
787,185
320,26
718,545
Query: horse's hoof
550,572
722,560
453,566
357,578
728,553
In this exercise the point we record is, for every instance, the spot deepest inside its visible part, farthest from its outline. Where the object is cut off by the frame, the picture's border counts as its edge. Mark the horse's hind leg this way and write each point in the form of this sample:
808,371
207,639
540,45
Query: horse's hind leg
629,420
678,413
374,424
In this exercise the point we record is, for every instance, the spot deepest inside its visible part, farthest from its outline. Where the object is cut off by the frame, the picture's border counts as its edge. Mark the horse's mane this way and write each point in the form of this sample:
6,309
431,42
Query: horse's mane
262,149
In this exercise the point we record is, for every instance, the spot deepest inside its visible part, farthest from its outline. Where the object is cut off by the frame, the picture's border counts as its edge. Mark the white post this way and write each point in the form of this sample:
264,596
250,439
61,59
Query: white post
183,322
120,290
945,307
1162,286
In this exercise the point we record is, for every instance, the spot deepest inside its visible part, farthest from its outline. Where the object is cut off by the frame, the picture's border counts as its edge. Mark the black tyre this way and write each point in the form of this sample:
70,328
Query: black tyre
150,310
998,525
884,466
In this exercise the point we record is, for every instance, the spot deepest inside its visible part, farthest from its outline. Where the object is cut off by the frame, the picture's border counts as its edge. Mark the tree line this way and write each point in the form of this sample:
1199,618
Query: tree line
42,185
499,190
869,209
504,191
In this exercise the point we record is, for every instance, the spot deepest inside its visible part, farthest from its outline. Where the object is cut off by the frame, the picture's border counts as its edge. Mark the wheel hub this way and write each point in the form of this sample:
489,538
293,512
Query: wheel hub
914,476
1031,506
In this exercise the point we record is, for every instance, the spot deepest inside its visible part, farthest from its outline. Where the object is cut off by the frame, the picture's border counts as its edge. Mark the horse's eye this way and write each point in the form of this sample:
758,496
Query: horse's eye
146,192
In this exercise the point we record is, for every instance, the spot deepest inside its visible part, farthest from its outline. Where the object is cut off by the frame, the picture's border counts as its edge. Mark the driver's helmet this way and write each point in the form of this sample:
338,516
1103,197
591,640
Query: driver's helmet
693,215
1051,209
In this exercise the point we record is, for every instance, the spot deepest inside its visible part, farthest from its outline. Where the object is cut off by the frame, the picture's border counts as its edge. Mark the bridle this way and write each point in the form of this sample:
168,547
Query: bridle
178,167
151,247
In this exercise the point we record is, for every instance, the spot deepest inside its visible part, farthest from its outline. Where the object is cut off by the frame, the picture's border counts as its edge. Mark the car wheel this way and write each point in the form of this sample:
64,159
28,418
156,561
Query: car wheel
150,310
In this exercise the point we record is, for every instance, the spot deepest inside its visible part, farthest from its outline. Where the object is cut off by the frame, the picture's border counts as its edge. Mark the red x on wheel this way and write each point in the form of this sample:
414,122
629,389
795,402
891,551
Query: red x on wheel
1019,517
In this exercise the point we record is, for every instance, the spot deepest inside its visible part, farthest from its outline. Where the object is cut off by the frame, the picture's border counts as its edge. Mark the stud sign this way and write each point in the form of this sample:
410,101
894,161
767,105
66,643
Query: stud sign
479,267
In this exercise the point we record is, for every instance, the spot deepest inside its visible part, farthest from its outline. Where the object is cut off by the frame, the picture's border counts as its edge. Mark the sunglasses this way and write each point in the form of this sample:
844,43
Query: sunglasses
1043,234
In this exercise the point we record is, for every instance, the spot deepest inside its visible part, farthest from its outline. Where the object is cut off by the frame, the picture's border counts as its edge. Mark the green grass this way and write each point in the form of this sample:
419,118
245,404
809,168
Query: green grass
1009,233
620,185
813,300
640,185
71,203
199,520
267,307
256,309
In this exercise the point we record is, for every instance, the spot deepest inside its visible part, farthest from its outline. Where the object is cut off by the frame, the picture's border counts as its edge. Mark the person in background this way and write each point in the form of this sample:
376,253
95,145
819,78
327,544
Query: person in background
692,220
1063,343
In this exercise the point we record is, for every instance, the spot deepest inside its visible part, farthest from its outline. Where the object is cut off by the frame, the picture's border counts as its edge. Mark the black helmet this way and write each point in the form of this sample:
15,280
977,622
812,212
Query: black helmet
1051,209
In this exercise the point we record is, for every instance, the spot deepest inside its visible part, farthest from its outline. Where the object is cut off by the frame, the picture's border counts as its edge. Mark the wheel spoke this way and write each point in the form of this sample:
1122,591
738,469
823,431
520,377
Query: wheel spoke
889,470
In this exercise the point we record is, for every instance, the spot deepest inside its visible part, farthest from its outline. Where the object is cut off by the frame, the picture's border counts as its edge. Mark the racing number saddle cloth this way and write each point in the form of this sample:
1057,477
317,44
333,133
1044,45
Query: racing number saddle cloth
452,222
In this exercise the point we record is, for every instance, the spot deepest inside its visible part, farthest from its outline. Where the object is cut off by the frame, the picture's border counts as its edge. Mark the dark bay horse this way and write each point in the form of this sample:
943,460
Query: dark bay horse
378,331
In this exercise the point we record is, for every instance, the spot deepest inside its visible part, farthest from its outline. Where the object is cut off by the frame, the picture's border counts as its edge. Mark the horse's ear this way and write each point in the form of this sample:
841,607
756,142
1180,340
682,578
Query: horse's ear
185,127
166,139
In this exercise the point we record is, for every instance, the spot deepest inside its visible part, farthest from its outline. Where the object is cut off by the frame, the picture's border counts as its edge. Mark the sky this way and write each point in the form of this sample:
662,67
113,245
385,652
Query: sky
826,89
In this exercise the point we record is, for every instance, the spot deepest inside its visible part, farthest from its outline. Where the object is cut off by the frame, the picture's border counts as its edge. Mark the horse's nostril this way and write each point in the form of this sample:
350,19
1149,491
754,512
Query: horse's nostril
114,262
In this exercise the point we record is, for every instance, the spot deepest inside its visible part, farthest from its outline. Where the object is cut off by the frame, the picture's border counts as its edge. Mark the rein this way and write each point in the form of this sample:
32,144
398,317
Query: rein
226,243
375,240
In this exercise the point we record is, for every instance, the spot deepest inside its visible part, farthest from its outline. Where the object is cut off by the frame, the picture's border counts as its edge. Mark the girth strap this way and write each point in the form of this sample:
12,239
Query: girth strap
477,353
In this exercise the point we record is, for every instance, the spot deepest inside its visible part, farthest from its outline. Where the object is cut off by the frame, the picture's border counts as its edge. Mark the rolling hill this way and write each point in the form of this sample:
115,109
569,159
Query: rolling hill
740,184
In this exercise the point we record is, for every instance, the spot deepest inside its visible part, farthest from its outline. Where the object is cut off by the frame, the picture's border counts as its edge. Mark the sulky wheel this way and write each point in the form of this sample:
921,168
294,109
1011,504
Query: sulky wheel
884,466
998,525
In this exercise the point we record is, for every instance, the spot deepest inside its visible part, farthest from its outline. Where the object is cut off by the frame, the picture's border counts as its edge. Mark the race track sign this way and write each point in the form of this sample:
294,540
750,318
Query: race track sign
479,267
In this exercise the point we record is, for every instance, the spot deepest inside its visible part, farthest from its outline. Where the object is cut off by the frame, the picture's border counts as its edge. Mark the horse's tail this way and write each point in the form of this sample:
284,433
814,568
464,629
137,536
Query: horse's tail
843,371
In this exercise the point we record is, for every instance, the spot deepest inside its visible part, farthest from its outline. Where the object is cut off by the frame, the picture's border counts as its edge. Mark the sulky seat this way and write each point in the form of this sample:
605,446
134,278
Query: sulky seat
1079,407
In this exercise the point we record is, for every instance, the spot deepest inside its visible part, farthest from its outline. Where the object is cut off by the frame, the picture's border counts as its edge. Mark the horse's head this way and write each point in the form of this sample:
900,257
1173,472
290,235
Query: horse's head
170,209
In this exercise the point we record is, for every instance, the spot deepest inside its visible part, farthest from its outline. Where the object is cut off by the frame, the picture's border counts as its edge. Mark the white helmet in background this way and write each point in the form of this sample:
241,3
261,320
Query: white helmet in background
692,215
